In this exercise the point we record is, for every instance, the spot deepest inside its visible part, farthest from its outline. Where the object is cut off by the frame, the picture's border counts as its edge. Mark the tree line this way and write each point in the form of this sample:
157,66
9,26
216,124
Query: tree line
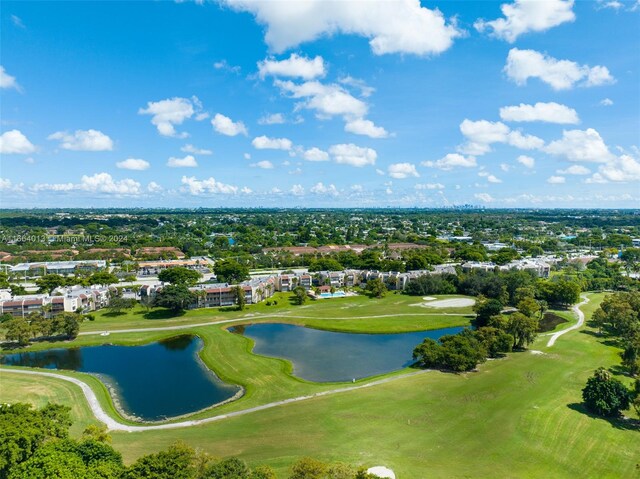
35,444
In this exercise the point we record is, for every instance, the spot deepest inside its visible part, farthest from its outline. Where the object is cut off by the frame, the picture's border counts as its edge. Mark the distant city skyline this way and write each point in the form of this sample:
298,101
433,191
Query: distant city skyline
242,103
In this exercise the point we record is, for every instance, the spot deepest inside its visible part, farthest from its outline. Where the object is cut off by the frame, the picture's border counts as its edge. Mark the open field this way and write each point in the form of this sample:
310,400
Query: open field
349,307
516,417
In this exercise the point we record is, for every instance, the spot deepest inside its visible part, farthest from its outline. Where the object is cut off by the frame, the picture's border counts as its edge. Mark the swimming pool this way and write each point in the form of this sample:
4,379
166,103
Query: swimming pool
337,294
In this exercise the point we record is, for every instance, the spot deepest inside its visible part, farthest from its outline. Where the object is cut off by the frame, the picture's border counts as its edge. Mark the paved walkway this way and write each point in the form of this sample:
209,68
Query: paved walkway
579,313
114,425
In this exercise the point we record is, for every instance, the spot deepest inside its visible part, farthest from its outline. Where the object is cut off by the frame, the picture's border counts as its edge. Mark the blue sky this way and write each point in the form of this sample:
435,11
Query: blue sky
309,103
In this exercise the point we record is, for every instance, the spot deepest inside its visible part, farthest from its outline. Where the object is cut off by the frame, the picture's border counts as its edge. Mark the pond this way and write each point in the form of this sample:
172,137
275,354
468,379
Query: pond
151,382
326,356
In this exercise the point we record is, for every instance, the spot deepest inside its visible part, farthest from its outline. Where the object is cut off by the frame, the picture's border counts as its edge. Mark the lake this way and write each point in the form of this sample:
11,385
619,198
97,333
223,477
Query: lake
326,356
151,382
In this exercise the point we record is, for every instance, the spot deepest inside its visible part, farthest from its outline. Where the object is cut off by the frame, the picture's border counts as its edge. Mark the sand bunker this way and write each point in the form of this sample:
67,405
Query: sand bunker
428,298
449,303
381,471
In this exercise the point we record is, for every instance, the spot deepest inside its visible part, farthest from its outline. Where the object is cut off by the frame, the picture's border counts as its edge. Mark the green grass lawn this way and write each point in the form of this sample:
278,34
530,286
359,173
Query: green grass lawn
349,307
518,417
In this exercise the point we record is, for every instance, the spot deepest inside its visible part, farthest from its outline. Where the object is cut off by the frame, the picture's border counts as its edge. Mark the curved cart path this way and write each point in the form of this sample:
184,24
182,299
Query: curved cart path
576,310
114,425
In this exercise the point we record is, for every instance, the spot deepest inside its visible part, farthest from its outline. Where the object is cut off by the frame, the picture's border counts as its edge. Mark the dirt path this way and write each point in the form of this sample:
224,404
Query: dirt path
114,425
579,313
265,316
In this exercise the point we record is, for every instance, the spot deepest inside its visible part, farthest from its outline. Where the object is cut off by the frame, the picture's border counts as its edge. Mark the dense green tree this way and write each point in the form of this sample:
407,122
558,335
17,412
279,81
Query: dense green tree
263,472
175,297
308,468
232,468
104,278
299,295
495,341
461,352
118,304
485,309
240,299
563,292
522,328
428,353
432,284
325,264
605,395
70,326
19,330
179,276
528,306
17,289
23,430
456,352
504,256
230,271
376,288
49,282
177,462
631,259
631,353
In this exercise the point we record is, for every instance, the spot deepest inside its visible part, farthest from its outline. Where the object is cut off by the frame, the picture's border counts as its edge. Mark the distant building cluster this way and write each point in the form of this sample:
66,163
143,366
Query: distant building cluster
214,295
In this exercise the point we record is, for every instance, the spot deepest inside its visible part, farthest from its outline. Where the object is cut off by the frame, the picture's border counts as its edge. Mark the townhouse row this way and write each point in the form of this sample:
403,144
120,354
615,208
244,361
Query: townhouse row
60,301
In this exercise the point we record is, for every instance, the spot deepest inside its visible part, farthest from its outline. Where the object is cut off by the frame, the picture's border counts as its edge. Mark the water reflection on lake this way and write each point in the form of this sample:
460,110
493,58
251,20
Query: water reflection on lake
324,356
152,382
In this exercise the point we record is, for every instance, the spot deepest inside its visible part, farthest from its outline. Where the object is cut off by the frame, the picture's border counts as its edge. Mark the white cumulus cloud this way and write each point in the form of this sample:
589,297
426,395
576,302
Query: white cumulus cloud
581,145
273,119
574,170
295,66
350,154
523,16
265,143
14,141
556,180
226,126
490,178
622,169
400,171
526,161
401,26
195,151
559,74
451,161
360,126
315,154
297,190
133,164
326,100
484,197
83,140
264,164
187,162
165,114
7,81
548,112
209,186
320,189
481,134
97,183
429,186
